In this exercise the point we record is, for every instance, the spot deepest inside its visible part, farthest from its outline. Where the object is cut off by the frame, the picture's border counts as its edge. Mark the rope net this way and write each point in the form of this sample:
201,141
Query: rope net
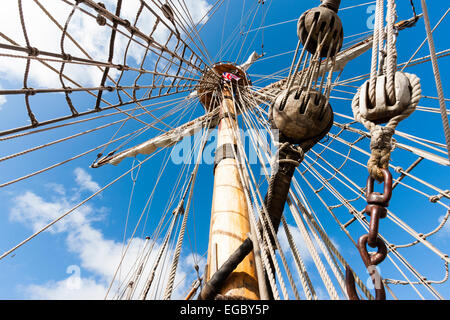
117,55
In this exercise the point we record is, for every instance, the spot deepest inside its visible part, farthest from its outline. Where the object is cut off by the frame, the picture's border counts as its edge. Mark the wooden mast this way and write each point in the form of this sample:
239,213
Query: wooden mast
230,223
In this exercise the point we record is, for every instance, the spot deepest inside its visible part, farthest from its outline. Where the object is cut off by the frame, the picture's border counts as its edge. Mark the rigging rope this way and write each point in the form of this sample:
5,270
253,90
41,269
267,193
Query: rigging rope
392,97
162,249
70,211
190,187
442,104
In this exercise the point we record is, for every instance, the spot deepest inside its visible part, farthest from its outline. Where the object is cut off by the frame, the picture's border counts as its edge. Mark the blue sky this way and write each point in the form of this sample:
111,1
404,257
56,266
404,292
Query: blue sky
89,241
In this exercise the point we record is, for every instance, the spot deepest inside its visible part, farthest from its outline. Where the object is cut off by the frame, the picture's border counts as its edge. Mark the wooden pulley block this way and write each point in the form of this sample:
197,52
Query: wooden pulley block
383,111
302,115
167,11
323,26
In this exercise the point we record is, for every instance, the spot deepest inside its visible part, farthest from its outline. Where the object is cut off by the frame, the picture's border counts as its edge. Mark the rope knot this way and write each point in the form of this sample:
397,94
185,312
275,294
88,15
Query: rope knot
101,20
407,92
32,51
30,91
436,198
66,57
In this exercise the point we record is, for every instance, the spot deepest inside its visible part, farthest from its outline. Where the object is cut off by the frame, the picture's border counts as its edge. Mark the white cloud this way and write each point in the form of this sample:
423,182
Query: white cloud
98,256
2,101
298,240
88,289
55,187
45,35
35,212
84,180
445,231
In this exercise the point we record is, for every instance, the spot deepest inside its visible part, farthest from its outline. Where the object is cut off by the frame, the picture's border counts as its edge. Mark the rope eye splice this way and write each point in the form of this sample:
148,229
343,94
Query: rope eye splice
371,114
389,96
376,208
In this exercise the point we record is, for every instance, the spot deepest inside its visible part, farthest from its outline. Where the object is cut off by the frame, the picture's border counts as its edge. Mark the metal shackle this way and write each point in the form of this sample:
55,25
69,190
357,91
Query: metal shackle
378,198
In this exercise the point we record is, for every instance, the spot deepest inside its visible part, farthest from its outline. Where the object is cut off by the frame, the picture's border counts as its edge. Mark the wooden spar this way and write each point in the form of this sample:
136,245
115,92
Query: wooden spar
230,223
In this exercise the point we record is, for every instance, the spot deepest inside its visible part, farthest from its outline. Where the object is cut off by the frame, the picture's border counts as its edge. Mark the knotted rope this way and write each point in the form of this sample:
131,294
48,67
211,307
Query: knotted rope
381,137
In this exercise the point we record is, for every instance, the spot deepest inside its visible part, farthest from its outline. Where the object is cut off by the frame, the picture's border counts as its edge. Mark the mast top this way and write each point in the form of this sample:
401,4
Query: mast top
210,85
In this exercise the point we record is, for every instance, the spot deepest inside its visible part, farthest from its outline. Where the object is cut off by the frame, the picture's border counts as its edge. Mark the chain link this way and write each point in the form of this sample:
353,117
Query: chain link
376,209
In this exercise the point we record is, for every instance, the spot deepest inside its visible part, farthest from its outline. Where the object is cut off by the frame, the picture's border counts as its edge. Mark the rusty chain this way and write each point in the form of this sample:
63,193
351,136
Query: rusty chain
376,209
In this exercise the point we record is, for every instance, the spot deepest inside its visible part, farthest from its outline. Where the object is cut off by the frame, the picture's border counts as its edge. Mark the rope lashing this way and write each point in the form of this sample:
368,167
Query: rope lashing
389,96
214,285
408,93
380,146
